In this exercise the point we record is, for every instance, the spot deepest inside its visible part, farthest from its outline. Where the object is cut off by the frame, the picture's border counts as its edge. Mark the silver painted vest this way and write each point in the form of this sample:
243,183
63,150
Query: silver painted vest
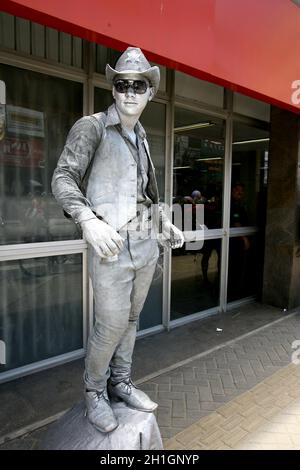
111,183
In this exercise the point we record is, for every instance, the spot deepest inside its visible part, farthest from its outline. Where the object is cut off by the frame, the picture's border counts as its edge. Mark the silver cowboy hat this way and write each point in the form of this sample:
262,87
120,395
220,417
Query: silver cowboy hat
133,61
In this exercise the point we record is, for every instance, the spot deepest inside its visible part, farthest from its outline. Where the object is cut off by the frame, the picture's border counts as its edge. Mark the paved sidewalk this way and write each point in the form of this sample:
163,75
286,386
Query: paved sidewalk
265,418
203,399
202,385
30,401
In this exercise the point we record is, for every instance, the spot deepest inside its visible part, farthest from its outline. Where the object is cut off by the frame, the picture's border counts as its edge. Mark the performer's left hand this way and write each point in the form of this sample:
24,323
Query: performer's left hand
172,236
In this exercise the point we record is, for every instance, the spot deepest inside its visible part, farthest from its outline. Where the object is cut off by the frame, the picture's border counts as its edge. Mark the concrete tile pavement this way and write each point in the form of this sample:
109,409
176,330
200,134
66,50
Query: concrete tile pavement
204,384
30,400
267,417
216,399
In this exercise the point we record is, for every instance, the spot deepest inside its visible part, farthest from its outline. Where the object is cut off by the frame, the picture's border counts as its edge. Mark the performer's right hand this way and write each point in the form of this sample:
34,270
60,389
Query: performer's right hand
105,240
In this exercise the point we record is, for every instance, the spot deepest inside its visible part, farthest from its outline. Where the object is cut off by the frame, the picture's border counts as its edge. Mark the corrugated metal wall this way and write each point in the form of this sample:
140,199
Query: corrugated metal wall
38,41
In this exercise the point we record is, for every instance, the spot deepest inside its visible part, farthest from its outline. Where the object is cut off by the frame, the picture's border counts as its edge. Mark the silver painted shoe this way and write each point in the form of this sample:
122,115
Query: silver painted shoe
132,396
99,411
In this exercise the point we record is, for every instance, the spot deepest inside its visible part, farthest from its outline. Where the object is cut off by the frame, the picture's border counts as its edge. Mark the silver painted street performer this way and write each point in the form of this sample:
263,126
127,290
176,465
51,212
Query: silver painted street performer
105,180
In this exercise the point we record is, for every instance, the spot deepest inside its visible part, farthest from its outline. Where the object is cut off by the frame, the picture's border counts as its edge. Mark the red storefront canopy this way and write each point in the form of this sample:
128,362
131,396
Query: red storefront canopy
250,46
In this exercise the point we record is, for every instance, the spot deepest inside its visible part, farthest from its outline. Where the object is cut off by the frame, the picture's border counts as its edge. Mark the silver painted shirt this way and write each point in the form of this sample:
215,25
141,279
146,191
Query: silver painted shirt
78,180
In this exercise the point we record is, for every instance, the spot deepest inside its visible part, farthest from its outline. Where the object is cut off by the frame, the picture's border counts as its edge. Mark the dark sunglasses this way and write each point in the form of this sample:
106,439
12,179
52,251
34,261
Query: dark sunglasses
138,86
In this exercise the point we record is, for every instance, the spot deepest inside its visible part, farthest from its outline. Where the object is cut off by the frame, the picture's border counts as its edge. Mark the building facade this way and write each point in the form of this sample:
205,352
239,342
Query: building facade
220,154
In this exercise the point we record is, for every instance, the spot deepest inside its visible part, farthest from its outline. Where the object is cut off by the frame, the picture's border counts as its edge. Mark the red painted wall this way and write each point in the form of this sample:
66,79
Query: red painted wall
251,46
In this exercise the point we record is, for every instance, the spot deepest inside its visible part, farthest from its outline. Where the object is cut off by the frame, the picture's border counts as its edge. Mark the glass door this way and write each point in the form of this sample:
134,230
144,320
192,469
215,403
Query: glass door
247,210
198,191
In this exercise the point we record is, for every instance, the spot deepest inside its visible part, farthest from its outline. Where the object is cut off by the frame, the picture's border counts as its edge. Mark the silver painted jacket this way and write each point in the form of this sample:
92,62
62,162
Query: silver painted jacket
97,173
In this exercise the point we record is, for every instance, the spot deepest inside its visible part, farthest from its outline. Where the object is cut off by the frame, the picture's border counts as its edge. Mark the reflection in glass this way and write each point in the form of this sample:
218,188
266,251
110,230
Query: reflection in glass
198,164
36,125
195,279
198,189
248,208
238,211
151,314
40,308
102,99
249,174
153,120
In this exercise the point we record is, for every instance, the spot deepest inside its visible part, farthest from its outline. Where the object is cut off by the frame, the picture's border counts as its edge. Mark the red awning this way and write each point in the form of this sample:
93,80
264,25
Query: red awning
250,46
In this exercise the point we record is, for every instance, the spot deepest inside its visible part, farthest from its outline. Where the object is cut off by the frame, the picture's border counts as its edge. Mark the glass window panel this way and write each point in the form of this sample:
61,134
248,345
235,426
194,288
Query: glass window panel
36,125
195,279
243,104
198,163
102,99
249,175
40,308
187,86
245,269
197,188
153,120
151,314
105,55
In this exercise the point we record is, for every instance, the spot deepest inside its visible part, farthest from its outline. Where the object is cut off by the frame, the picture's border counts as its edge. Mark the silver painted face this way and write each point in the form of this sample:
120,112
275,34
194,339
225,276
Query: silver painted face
131,103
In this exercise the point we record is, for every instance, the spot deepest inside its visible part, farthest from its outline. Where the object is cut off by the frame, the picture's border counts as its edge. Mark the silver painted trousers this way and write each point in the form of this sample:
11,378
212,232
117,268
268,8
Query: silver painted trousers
120,290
